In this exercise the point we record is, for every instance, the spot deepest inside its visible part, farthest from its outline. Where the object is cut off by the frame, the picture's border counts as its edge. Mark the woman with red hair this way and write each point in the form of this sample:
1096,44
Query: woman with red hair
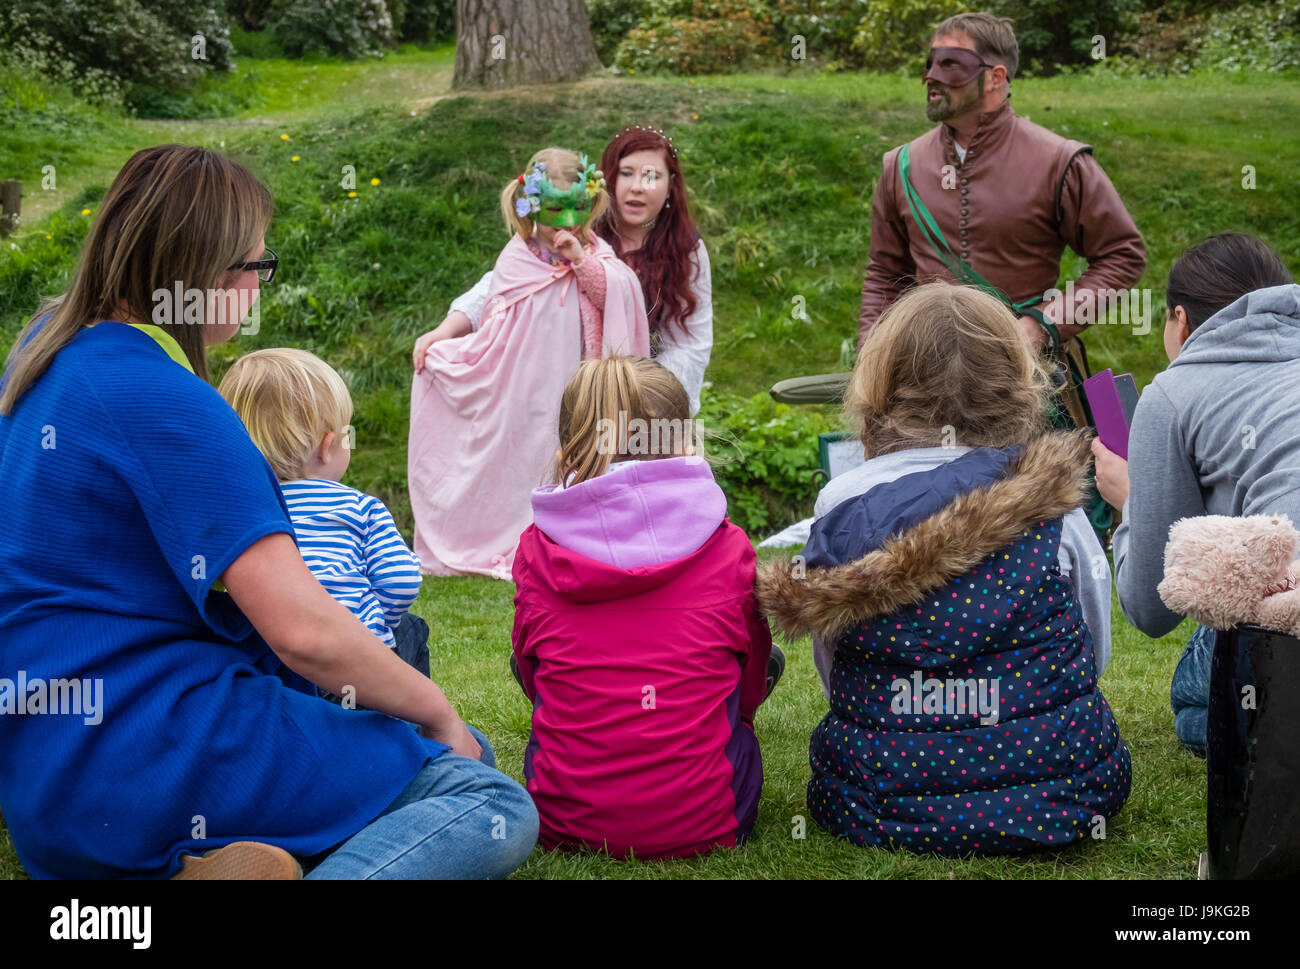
650,228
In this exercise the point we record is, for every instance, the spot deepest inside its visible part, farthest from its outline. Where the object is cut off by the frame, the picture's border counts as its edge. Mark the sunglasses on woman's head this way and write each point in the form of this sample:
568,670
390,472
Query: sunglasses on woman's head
264,267
952,66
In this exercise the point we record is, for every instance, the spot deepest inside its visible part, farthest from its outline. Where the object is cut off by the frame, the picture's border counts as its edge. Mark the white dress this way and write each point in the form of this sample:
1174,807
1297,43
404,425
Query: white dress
686,353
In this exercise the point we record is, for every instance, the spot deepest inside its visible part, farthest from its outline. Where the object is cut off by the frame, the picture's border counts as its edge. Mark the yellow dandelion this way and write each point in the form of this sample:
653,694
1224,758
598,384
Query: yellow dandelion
374,181
85,211
284,137
294,158
352,195
48,236
695,117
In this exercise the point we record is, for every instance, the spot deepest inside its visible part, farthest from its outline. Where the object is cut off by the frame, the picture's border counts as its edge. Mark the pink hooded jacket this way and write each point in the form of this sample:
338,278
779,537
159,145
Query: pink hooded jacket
640,643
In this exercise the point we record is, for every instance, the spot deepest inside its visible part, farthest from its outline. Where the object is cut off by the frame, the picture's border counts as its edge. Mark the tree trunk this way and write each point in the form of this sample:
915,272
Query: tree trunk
505,43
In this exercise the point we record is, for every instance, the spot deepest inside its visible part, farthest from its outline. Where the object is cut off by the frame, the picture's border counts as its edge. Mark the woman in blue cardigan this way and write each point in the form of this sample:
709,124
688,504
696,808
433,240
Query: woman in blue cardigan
159,631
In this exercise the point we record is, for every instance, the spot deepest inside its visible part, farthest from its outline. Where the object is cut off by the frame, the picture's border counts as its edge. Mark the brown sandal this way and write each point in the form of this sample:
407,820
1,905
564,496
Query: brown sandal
241,860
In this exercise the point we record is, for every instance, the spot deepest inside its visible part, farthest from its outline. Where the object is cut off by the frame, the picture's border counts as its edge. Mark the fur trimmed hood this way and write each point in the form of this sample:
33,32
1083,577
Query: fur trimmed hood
1047,479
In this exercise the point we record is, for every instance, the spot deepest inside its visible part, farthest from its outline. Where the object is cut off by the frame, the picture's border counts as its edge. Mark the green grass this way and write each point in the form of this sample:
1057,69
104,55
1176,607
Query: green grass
1158,834
781,171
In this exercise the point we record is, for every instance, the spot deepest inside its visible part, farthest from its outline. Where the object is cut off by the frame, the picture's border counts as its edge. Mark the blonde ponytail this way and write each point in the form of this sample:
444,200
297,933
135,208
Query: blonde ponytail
621,408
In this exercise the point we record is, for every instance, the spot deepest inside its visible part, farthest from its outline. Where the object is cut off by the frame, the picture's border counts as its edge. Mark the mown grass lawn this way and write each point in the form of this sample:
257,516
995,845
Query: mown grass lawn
781,170
1157,835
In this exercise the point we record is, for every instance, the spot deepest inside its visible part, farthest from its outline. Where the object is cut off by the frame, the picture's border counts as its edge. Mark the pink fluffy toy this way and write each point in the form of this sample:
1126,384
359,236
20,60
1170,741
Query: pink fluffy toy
1224,571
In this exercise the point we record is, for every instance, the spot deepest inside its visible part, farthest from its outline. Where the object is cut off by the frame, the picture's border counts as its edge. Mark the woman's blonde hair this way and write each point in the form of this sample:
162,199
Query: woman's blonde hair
563,169
289,400
174,215
946,366
621,408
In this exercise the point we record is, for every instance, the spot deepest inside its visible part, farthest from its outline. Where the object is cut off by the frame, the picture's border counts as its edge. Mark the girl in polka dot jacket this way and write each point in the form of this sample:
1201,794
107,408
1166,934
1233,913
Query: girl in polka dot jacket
959,600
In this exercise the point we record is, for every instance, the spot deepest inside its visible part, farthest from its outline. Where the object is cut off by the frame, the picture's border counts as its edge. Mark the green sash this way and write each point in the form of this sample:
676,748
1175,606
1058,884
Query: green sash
1071,373
966,273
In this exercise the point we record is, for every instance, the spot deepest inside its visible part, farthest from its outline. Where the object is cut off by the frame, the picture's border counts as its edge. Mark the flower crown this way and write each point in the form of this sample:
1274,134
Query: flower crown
538,187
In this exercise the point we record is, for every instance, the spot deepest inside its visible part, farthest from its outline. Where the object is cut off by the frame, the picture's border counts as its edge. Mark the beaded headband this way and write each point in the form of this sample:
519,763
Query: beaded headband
657,131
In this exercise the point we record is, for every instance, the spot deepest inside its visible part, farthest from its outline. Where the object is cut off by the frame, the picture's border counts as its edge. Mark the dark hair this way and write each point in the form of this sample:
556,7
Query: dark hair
1218,271
663,263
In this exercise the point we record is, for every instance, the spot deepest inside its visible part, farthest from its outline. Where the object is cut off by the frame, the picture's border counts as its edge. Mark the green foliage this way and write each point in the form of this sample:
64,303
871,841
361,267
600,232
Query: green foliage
700,37
611,21
350,28
205,100
828,29
895,34
248,15
1053,34
764,456
780,172
256,44
428,21
143,41
1182,36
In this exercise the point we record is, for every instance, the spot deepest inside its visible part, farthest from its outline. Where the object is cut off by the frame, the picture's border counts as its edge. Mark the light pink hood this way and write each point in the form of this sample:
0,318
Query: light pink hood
639,513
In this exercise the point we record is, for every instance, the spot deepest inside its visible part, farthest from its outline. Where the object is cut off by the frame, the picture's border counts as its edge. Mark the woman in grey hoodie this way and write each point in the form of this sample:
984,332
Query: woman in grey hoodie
1217,433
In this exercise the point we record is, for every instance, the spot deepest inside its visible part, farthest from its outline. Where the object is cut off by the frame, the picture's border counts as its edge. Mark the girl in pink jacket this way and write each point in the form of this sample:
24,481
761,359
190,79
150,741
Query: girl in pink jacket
637,634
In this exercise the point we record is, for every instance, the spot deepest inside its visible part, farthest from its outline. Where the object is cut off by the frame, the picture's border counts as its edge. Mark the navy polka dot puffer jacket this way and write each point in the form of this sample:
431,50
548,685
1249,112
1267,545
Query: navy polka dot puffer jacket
965,714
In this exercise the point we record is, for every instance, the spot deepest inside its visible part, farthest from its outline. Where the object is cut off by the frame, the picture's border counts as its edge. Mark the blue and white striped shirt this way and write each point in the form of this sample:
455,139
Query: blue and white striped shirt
350,543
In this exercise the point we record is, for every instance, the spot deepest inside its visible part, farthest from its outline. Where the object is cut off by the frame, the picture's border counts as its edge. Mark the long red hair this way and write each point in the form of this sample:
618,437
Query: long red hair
663,263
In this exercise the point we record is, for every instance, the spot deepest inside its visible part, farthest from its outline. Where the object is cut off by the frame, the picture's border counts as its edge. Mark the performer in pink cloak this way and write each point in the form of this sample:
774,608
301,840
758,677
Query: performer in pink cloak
485,405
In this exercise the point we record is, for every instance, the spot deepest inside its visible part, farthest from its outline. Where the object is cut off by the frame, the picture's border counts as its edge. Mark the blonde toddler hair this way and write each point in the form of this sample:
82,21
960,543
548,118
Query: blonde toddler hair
289,400
599,405
563,170
946,365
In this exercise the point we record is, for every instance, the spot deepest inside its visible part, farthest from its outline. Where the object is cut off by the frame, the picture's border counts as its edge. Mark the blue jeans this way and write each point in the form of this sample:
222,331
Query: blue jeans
459,818
1189,692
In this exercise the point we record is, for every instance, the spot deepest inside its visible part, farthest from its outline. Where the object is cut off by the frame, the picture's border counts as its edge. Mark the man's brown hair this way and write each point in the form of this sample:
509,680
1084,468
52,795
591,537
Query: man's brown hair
993,37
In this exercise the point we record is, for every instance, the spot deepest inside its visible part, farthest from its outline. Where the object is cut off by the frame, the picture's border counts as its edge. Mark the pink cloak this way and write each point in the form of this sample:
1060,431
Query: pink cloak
485,408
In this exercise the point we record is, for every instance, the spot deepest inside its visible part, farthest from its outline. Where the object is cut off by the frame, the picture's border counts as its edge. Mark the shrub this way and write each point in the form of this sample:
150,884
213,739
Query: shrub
135,41
701,37
611,21
1181,36
351,28
895,34
764,456
827,26
248,14
428,20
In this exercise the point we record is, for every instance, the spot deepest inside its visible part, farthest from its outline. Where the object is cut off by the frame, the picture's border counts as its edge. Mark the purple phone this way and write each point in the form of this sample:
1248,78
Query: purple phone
1108,411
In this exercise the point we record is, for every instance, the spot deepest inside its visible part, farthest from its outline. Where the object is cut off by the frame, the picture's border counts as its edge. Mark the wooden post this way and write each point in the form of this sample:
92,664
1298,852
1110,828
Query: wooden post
11,193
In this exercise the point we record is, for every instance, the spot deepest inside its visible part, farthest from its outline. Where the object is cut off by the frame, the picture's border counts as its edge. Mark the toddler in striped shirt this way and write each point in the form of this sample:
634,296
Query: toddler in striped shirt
298,412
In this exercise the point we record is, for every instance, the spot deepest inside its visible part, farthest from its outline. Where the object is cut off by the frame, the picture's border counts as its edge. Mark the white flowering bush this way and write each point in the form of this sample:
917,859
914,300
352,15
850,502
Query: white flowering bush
351,28
1174,40
1259,38
148,42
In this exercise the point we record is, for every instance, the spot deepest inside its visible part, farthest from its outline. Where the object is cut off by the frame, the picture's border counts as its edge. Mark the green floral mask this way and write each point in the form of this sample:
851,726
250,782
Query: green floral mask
547,205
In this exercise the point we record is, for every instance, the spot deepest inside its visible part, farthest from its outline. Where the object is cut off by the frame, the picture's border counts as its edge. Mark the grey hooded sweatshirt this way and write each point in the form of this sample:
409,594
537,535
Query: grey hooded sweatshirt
1217,433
